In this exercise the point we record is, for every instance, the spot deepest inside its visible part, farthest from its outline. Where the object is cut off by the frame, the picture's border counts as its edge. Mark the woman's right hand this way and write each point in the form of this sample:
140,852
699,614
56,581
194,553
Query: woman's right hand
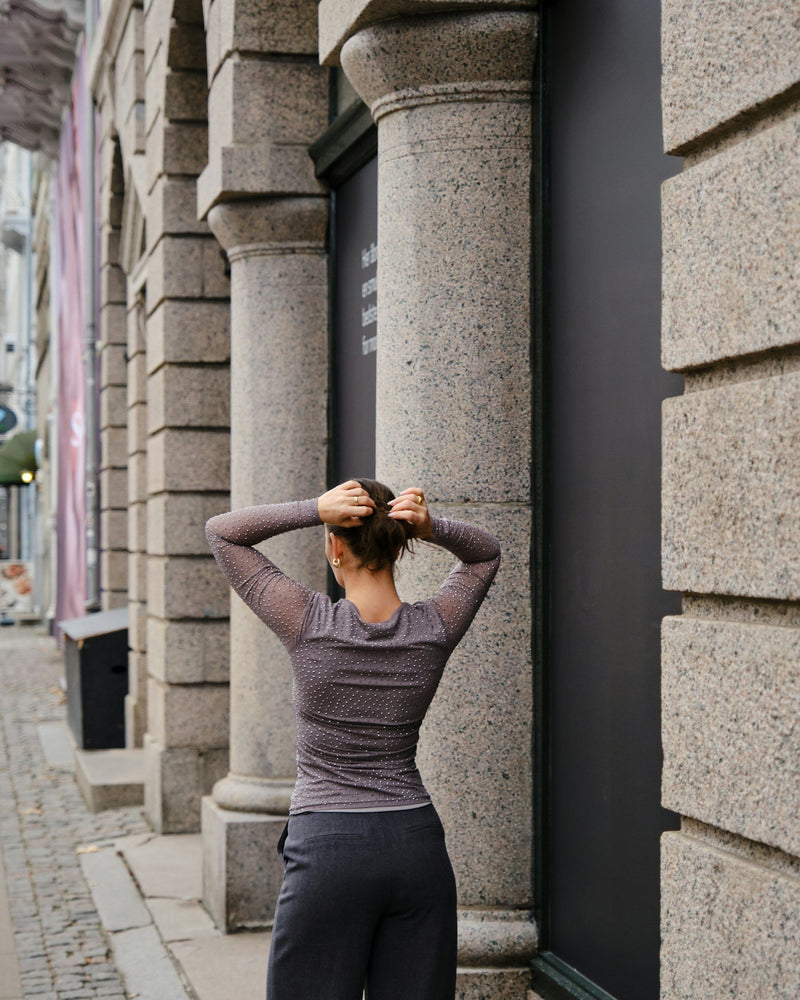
410,506
346,505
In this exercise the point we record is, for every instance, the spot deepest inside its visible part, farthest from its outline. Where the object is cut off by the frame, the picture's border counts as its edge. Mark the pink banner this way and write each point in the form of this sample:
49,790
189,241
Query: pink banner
68,286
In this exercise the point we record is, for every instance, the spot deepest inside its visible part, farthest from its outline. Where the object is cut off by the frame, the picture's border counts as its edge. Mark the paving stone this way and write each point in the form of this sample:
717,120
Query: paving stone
62,949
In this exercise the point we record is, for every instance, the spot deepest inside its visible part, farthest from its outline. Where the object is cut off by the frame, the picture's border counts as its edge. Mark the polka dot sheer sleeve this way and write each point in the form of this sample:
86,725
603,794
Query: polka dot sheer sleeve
279,601
461,594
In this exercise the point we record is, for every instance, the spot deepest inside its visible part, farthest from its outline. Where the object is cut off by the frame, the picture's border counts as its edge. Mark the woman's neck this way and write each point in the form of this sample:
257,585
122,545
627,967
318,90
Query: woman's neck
374,594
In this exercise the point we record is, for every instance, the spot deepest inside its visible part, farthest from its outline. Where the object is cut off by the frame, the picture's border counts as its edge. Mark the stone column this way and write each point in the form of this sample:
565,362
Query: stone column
269,212
451,96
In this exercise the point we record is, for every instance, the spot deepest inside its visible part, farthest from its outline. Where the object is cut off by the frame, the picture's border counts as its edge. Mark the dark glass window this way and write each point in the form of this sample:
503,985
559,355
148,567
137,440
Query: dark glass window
601,386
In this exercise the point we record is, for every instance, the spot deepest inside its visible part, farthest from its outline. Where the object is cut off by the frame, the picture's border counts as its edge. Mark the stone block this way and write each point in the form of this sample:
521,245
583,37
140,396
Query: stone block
137,663
137,526
111,779
188,12
137,477
113,406
114,530
111,210
175,781
179,148
113,324
137,625
135,723
188,331
188,715
176,522
186,95
242,872
186,587
731,700
721,61
153,97
275,101
216,279
137,380
186,268
186,47
113,365
183,396
131,41
492,984
137,428
129,85
731,490
113,284
136,332
114,487
188,460
284,29
172,208
732,253
730,927
111,599
263,149
114,569
137,576
131,135
156,27
188,652
109,246
113,447
212,17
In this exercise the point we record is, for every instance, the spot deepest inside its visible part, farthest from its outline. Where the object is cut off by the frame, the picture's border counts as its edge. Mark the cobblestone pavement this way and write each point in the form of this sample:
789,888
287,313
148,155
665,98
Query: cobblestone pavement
62,949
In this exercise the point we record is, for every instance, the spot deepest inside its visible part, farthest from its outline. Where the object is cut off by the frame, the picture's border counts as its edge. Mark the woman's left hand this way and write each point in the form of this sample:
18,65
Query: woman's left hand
410,506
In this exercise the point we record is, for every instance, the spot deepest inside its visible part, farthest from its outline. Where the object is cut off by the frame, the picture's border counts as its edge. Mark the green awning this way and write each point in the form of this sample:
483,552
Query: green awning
17,456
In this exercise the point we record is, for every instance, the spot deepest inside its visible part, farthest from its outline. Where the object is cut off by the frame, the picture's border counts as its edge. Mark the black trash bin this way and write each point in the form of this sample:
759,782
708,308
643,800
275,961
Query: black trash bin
96,661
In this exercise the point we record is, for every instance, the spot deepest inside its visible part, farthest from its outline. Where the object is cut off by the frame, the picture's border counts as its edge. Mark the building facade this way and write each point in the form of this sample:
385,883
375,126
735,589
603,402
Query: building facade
540,259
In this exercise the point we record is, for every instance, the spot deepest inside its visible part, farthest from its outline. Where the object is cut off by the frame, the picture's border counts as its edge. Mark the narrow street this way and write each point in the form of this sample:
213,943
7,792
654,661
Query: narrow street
52,944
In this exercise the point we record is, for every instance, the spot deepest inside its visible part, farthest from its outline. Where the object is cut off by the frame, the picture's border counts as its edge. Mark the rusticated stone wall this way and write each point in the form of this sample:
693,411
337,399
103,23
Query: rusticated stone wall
188,440
731,502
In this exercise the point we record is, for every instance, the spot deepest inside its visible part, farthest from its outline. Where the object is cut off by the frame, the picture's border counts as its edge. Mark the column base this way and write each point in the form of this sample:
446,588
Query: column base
242,872
493,984
176,778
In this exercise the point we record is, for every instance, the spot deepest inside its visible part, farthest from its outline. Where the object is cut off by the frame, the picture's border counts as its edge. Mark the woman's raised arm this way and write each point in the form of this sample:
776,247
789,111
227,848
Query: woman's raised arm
278,600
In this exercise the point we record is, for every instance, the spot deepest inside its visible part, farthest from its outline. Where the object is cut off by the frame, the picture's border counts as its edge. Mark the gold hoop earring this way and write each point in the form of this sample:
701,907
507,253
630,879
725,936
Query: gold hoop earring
337,562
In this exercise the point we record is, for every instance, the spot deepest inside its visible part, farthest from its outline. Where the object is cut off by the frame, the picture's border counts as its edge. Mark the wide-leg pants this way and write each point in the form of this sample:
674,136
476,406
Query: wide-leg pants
368,900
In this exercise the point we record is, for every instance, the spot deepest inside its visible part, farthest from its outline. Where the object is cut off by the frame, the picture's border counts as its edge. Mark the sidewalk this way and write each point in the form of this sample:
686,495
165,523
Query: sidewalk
94,906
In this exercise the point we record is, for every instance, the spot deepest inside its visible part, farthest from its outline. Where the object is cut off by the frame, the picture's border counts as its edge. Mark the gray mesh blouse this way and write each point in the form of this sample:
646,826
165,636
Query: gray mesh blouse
360,689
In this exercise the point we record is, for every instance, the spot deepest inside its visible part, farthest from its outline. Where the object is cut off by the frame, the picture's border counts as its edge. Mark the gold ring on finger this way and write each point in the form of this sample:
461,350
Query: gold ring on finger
419,499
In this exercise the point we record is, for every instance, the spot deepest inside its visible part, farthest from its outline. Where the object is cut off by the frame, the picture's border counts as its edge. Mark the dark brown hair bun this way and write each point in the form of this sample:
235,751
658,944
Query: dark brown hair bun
379,540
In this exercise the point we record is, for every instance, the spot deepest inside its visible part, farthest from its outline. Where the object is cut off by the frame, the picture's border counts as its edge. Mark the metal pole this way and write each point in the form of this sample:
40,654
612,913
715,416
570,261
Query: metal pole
92,496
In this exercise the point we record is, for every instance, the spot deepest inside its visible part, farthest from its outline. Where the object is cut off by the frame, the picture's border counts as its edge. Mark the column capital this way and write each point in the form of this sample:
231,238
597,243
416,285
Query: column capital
469,55
339,21
267,226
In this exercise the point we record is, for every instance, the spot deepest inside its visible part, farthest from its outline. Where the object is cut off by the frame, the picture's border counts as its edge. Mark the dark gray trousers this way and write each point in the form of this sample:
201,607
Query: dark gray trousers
368,900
